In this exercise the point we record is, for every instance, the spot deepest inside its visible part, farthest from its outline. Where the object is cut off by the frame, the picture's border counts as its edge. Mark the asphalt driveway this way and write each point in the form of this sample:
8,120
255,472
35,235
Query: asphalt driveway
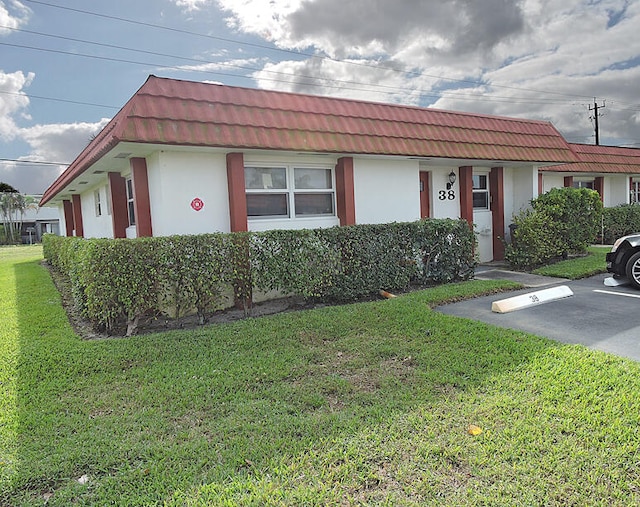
599,317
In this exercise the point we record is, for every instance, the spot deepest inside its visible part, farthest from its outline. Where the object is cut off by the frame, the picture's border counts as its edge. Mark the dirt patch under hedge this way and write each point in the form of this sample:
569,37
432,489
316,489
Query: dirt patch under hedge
160,323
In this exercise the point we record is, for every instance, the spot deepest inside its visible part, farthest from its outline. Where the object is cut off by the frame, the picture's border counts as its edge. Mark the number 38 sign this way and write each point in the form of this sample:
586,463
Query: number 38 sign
447,195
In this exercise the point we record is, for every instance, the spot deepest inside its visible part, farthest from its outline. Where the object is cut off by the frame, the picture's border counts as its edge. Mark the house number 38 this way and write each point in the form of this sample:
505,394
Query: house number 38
446,195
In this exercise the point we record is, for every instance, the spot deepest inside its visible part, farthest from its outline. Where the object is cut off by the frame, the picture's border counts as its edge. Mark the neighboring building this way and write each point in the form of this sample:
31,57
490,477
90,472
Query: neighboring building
36,221
185,157
613,171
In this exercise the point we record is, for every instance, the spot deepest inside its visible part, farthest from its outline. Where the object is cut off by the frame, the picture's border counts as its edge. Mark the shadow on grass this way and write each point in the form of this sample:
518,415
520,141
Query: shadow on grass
292,406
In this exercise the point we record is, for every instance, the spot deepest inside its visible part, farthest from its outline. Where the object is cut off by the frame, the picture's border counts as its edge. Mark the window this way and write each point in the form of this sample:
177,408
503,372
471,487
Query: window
98,204
289,192
583,184
480,191
130,207
267,194
635,191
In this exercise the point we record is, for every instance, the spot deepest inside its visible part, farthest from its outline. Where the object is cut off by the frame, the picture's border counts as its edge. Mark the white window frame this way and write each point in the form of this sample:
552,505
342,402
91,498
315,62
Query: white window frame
589,183
97,202
290,191
481,190
634,191
131,212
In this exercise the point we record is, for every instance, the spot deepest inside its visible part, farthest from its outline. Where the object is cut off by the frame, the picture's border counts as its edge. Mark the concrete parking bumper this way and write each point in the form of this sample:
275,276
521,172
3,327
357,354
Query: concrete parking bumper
599,317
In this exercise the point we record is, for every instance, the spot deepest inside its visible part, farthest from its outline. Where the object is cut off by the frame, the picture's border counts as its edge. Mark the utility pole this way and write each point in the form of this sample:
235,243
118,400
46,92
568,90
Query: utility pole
595,117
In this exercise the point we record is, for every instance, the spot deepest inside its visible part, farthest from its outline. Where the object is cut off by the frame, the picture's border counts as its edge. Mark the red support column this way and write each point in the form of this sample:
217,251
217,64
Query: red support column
540,184
141,201
119,215
465,178
68,216
243,294
598,186
425,198
237,192
77,215
345,194
568,181
496,191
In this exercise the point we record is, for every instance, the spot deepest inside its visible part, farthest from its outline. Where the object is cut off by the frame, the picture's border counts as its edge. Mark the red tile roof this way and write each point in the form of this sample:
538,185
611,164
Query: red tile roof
601,159
174,112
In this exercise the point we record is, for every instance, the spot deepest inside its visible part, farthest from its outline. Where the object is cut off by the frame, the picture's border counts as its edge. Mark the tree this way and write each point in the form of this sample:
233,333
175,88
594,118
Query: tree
5,187
13,206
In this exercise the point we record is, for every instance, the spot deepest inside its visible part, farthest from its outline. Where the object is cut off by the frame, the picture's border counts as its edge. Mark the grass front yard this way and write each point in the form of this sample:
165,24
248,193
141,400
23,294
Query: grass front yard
363,404
580,267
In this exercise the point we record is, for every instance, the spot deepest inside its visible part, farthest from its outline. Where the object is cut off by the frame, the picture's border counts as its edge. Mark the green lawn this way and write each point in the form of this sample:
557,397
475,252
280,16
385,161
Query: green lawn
364,404
580,267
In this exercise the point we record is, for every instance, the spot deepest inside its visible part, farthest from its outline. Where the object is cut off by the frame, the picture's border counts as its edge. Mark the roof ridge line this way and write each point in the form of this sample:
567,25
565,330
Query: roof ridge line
344,99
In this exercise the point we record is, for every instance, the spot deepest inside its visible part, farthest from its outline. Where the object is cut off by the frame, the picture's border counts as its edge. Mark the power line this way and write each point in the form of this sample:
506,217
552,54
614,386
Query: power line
295,53
66,101
196,60
322,81
31,162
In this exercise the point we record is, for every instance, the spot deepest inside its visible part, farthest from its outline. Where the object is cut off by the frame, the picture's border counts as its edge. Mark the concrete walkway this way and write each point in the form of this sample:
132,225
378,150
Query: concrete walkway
500,272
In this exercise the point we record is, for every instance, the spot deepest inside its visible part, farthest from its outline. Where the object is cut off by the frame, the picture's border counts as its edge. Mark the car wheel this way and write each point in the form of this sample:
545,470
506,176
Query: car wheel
633,269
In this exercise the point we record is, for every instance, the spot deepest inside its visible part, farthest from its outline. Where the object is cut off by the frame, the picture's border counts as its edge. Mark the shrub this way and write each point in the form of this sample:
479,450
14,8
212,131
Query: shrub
300,262
562,221
446,250
191,272
620,221
371,257
122,281
116,282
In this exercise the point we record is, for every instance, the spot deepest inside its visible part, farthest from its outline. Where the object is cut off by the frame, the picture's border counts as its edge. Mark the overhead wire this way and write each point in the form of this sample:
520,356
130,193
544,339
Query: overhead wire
323,81
299,53
316,81
31,162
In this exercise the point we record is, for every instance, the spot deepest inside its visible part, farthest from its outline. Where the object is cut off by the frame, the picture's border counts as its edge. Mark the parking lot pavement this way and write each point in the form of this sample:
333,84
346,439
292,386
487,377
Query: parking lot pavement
599,317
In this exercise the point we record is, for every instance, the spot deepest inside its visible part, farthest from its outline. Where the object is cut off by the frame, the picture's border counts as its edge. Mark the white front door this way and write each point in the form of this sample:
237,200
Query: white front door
482,216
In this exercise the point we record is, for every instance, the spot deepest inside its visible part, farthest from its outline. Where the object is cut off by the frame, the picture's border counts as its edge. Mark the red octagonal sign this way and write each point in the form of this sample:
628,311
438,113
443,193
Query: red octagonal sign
197,204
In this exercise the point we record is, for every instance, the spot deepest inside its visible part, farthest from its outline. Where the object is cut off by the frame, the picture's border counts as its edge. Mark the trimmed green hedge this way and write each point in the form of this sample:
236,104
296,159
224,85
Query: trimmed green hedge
117,282
620,221
562,221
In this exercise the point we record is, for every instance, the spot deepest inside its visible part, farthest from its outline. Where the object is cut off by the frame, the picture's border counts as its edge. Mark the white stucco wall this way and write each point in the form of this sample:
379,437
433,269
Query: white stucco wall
616,190
62,223
386,190
176,178
95,226
520,186
525,188
550,181
444,204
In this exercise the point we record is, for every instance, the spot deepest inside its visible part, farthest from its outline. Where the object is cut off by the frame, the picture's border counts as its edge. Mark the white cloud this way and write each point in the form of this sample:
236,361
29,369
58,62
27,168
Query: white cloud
266,18
29,178
13,15
539,59
226,66
363,79
191,5
13,101
49,143
60,142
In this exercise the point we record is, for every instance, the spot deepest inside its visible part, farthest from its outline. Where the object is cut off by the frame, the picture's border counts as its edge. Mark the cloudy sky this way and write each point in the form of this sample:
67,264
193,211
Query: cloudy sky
67,66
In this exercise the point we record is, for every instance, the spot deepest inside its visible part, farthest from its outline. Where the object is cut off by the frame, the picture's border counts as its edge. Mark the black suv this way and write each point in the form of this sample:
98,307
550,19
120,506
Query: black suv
624,259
